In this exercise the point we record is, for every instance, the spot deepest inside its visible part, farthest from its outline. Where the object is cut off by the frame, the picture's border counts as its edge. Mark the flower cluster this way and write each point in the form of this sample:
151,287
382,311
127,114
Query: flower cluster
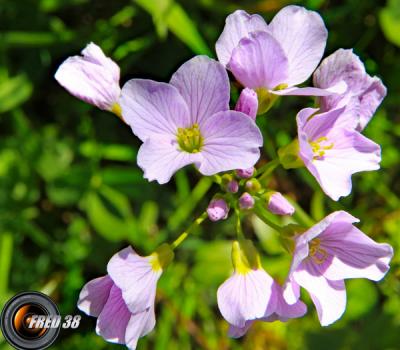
189,121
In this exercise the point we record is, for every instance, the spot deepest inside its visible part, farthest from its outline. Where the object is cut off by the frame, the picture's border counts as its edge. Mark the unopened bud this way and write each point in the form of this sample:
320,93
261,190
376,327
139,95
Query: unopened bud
253,186
246,201
218,209
279,205
233,186
245,173
248,103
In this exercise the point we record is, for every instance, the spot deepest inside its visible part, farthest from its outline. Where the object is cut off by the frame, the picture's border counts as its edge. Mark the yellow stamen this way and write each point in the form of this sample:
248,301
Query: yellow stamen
190,139
319,147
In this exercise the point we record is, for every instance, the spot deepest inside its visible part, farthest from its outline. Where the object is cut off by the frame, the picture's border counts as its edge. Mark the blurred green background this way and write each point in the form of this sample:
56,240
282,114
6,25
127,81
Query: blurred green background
71,194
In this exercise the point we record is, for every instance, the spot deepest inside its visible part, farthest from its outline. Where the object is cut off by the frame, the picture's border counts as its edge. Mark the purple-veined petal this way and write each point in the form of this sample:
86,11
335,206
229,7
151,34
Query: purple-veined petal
370,101
302,35
291,290
238,332
355,255
336,89
114,318
320,124
259,62
151,108
238,25
161,158
329,297
284,311
244,297
364,93
93,77
139,325
352,153
231,141
136,278
93,53
204,85
94,295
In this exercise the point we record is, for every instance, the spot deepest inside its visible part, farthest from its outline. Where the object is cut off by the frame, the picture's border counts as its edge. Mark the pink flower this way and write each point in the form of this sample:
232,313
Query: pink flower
218,209
327,254
279,205
283,312
123,301
189,122
274,58
248,103
363,95
93,78
247,294
331,152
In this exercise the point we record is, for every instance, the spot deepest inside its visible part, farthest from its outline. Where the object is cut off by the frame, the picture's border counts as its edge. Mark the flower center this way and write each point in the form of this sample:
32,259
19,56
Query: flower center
190,139
317,253
319,147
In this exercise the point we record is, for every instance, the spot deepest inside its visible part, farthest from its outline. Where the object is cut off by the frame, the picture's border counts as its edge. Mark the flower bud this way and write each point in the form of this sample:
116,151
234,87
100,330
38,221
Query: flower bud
253,186
248,103
233,186
245,173
279,205
218,209
246,201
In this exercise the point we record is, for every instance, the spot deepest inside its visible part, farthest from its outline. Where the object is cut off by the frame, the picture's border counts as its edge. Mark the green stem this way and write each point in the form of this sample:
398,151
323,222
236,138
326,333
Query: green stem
6,252
239,229
189,204
267,169
186,233
260,212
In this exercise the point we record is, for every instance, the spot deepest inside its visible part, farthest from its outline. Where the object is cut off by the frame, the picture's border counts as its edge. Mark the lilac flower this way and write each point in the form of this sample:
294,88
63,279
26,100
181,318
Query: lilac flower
245,173
218,209
283,312
279,205
363,95
188,122
93,78
246,201
327,254
272,59
331,152
248,103
123,301
247,294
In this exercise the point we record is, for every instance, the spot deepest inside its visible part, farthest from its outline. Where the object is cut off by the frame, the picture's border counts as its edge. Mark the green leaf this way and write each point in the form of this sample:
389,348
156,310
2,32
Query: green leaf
213,262
14,92
110,214
389,19
168,14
